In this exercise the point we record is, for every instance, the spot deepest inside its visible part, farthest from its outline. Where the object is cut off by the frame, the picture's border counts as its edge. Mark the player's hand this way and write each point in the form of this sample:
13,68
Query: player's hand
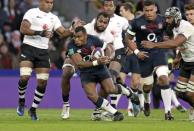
148,44
142,55
103,60
47,34
176,63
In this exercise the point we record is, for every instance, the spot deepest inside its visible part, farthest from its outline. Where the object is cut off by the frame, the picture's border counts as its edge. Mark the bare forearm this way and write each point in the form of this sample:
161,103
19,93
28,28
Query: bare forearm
166,44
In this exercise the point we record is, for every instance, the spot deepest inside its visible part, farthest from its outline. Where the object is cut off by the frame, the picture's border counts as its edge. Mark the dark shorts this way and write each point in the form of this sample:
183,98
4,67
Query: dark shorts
39,57
120,56
186,69
131,64
95,76
156,58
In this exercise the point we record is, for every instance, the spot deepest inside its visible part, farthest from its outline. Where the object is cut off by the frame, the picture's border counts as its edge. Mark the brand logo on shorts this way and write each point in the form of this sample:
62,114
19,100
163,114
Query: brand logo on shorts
119,57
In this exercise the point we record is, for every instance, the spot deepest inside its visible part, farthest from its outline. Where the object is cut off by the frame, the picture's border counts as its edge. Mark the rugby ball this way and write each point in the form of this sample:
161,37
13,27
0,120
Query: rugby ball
97,53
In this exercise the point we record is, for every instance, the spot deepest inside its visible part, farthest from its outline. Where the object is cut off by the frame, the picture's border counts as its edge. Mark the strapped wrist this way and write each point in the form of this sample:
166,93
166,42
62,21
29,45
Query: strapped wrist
136,51
95,63
40,33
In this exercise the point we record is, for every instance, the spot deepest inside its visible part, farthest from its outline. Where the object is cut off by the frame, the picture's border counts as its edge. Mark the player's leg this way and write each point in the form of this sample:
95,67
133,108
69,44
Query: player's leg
25,73
163,84
42,68
68,71
26,65
115,68
42,75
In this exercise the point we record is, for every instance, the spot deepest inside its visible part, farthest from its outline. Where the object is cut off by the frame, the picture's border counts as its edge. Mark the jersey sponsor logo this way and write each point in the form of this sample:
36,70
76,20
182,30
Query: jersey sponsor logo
39,17
119,57
70,52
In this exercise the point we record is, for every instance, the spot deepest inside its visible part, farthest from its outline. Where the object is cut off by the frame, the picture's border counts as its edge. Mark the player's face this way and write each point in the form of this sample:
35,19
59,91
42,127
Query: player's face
46,5
169,22
101,23
80,38
190,16
123,12
150,12
109,7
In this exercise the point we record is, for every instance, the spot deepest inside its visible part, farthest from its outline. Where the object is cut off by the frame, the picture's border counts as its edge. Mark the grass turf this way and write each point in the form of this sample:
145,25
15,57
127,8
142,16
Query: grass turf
80,121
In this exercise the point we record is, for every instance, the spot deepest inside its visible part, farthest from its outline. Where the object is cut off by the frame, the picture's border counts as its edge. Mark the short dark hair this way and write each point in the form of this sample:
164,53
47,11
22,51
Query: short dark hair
189,7
127,6
149,2
80,29
104,14
109,0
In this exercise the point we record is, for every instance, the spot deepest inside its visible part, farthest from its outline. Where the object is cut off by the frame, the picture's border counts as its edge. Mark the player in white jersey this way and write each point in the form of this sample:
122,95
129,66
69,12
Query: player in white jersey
37,26
184,39
117,25
96,28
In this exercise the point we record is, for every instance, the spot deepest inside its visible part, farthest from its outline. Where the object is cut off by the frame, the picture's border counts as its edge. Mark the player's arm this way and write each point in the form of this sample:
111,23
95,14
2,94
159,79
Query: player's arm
132,45
178,41
77,59
62,32
109,50
25,29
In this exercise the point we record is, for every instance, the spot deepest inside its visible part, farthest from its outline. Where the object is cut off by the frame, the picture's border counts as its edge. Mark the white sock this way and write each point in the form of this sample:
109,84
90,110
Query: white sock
130,106
166,97
147,97
141,100
106,106
174,98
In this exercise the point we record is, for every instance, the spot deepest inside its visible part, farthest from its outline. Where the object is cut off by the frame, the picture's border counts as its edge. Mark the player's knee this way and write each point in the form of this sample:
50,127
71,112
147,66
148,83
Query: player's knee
163,80
114,73
22,83
162,73
67,72
42,83
25,71
147,88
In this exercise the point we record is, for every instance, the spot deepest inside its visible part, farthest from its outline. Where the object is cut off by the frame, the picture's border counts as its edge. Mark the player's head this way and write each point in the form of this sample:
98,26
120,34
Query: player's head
173,16
189,13
150,9
126,9
102,21
109,7
46,5
80,36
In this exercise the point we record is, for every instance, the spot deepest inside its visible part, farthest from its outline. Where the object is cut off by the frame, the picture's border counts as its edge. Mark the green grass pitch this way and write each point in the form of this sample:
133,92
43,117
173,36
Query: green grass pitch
80,121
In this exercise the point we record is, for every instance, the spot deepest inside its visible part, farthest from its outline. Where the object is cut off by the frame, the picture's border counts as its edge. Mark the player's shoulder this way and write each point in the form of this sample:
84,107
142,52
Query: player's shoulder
186,25
32,11
120,18
92,37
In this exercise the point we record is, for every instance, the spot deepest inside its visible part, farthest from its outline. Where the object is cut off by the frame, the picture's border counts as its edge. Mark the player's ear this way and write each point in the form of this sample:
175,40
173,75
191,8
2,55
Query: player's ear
155,8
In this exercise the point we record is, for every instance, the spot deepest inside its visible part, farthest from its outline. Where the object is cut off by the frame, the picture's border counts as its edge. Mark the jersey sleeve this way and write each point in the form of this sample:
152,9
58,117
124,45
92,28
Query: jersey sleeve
132,28
57,23
186,30
125,24
29,15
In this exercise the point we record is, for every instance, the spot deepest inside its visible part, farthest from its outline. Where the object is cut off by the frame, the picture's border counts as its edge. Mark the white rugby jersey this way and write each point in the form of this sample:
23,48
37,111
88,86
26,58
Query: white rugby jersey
105,36
116,25
40,20
186,29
